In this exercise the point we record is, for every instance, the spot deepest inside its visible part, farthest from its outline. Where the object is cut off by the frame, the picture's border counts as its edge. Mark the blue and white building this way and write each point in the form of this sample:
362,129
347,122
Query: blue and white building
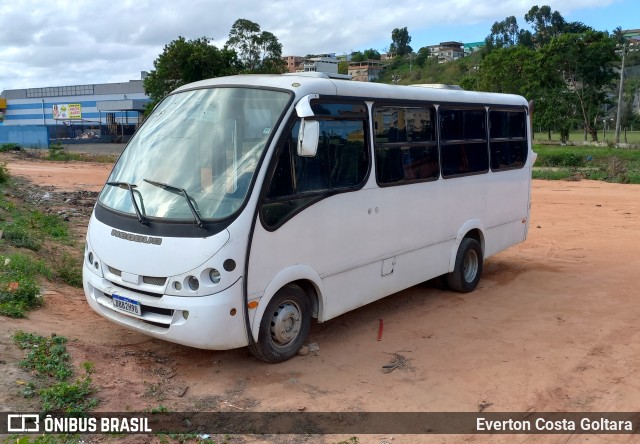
71,114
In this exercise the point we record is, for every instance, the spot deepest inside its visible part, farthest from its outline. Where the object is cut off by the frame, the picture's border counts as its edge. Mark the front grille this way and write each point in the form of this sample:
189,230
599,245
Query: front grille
153,280
157,281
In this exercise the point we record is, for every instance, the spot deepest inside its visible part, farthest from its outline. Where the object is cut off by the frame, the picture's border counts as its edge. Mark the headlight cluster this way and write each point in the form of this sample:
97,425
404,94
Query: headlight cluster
92,261
202,282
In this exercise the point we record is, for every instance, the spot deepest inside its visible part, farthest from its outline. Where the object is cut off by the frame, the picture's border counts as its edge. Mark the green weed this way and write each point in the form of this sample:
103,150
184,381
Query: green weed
19,288
48,359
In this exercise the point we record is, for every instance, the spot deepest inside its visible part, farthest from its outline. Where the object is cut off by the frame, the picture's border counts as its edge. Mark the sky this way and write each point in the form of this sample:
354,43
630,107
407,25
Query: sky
76,42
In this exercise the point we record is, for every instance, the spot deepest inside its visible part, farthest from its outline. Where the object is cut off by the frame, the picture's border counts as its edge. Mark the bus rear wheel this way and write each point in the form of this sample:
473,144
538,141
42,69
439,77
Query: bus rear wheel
468,267
284,325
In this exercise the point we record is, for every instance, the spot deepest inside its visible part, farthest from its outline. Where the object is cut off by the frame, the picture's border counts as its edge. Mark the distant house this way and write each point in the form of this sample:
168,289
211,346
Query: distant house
447,51
321,63
366,71
292,62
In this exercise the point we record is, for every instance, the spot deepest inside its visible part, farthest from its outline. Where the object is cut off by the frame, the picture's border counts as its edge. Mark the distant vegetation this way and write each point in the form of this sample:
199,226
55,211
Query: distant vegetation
570,70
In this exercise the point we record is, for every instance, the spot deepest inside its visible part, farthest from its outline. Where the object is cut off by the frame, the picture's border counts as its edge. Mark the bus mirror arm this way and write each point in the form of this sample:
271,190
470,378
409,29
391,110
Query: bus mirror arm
308,138
303,108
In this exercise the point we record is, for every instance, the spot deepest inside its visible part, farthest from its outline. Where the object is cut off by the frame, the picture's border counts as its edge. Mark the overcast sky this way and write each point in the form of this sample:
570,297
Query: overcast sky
73,42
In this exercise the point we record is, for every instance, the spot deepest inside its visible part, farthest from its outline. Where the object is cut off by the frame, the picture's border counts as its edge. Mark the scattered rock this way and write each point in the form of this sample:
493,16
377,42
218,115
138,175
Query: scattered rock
304,351
313,347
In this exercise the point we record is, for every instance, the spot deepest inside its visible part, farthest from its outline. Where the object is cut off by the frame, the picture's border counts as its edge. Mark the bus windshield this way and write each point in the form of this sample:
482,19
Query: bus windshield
194,157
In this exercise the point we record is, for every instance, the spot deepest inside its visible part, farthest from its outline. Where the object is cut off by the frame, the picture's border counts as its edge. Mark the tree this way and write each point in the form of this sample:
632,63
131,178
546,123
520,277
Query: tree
184,61
400,40
512,70
357,56
546,24
583,65
371,54
503,34
258,51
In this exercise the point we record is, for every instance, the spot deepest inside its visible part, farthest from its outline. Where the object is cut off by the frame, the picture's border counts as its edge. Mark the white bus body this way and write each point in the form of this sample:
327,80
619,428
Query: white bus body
247,205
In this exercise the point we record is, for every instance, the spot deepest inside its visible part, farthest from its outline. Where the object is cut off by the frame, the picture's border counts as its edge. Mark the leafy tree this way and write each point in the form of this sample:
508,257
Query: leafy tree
258,51
400,40
546,24
504,33
618,36
343,67
512,70
583,65
371,54
184,61
357,56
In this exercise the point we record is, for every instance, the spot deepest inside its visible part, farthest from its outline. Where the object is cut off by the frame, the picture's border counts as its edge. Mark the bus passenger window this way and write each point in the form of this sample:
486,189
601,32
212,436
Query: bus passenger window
341,163
406,146
508,143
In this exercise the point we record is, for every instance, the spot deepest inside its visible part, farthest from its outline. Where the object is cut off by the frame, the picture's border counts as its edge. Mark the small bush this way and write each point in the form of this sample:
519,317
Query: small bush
69,269
4,173
21,238
10,147
19,289
563,159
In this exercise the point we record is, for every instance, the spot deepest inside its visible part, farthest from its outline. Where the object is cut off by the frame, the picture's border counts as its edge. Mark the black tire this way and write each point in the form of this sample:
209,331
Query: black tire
468,267
289,309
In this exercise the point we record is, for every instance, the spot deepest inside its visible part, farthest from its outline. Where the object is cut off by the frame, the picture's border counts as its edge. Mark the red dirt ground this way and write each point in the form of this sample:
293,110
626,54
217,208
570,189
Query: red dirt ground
553,326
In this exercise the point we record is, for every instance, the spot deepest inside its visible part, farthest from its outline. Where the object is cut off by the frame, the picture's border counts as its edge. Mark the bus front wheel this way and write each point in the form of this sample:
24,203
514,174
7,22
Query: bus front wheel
284,325
468,267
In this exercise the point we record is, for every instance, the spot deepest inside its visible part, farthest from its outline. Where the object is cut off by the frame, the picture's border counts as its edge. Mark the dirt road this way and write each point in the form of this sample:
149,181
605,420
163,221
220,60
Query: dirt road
553,326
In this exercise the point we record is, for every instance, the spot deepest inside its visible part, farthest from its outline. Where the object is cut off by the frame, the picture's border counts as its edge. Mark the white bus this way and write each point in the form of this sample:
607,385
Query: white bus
247,205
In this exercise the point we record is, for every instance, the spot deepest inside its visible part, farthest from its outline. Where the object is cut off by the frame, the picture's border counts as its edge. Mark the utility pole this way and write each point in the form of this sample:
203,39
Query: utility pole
618,119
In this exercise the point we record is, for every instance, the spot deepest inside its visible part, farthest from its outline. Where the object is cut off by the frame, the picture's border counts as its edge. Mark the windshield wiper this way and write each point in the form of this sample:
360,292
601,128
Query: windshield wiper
130,187
182,192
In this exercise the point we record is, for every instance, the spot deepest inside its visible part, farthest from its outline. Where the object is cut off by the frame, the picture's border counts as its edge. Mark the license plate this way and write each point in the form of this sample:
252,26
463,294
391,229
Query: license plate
126,304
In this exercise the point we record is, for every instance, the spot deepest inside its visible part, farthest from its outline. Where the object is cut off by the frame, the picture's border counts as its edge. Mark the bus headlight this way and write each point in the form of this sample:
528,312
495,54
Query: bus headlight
214,275
194,284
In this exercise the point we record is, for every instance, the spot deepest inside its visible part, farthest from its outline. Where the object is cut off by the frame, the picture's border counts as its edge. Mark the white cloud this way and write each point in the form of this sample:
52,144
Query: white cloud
44,43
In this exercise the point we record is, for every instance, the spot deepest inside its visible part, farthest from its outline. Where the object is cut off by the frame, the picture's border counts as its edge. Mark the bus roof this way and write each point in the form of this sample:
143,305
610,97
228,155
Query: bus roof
302,84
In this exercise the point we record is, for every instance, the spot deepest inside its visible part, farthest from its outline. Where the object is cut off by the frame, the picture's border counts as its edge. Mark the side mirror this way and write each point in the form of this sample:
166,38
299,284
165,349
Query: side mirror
308,138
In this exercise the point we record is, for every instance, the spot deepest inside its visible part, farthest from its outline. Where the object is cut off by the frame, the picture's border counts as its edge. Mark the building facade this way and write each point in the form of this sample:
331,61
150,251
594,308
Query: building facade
293,62
366,71
447,51
111,110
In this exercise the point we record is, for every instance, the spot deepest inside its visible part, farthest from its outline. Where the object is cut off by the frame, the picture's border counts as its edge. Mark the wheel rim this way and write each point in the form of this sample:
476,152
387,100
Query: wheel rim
285,323
470,266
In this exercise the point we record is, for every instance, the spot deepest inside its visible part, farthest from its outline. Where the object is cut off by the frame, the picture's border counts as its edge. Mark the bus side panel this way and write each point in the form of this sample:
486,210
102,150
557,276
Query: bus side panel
360,286
507,208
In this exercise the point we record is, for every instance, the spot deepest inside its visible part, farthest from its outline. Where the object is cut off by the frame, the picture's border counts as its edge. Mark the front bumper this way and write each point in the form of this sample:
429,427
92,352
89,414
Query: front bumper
214,322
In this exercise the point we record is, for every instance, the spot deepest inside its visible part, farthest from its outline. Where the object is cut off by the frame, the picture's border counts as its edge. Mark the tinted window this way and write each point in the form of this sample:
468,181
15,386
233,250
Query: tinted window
406,148
463,145
340,164
462,124
508,142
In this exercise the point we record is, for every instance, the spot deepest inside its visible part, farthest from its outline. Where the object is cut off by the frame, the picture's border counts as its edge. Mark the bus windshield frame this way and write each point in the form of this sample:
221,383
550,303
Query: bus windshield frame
205,142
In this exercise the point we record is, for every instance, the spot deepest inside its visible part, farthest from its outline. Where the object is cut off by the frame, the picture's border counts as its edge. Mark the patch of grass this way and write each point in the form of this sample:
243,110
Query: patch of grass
19,237
45,356
58,152
619,165
28,229
555,174
49,360
69,269
19,288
